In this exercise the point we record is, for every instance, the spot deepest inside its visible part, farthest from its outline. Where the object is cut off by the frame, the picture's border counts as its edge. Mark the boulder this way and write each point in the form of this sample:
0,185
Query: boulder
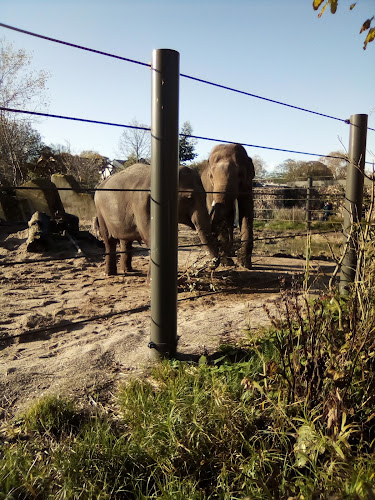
73,199
41,195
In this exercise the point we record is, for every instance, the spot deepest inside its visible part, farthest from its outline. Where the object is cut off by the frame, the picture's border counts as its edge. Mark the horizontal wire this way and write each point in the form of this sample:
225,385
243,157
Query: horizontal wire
137,250
280,196
141,249
283,237
99,122
297,178
263,147
231,89
72,324
148,65
256,194
296,221
82,255
63,117
81,47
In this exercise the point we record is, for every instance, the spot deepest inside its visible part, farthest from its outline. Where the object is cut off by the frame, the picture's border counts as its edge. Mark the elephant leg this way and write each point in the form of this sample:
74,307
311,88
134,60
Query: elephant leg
226,243
247,238
226,251
126,255
110,258
246,249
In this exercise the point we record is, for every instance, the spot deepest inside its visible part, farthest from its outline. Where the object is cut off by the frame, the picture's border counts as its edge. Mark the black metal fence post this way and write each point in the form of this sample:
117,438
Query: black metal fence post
353,199
164,192
308,203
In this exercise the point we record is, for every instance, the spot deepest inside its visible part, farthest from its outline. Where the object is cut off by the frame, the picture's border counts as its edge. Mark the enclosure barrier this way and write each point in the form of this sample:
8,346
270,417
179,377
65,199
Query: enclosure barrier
164,235
308,203
354,198
164,189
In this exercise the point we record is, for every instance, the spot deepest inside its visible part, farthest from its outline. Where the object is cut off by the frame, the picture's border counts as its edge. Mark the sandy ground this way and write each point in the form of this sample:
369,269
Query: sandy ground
68,329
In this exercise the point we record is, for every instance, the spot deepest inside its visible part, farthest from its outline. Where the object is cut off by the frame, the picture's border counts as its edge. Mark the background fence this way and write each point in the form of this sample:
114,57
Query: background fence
289,204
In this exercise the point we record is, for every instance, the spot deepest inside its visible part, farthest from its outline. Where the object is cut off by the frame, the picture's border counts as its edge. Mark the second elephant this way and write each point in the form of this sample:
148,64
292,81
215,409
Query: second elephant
228,177
124,216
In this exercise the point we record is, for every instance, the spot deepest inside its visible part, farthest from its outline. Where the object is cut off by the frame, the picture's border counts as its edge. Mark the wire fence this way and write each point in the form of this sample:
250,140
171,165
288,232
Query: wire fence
197,137
290,200
147,65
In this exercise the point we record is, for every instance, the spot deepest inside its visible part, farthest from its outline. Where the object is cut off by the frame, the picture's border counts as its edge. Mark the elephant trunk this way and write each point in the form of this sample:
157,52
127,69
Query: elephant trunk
202,226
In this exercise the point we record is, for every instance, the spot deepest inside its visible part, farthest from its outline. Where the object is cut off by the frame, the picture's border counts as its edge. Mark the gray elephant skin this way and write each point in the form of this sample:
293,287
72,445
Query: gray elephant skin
124,216
227,177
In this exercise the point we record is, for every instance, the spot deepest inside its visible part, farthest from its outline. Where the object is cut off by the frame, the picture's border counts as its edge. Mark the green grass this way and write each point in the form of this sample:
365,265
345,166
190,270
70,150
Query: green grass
226,429
289,415
275,236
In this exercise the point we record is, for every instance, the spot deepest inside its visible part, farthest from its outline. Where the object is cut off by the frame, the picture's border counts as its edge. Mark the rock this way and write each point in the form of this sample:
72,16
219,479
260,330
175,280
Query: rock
37,240
75,202
42,196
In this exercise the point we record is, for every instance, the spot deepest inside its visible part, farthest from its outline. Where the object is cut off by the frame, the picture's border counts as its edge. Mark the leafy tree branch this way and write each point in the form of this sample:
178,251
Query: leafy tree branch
366,26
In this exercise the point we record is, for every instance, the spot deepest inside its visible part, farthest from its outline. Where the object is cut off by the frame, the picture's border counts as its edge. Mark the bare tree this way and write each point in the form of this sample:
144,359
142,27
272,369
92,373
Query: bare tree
135,143
19,85
20,147
337,163
292,170
87,167
259,166
20,88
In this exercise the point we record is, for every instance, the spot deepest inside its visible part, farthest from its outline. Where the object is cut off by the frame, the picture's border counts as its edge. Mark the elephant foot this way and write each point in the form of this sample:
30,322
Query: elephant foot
110,266
246,263
213,263
227,261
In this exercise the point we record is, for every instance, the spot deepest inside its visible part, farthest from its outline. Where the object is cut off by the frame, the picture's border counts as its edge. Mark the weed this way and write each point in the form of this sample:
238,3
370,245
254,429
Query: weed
51,415
288,415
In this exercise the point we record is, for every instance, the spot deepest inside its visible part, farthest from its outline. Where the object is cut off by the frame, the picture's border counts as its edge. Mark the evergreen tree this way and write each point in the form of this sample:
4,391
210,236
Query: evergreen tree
186,144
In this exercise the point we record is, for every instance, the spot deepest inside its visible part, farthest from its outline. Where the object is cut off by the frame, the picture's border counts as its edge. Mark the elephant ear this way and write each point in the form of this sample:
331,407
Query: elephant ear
251,168
242,158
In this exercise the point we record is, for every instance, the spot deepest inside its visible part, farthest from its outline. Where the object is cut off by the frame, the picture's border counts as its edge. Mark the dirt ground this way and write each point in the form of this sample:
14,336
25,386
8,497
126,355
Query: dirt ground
68,329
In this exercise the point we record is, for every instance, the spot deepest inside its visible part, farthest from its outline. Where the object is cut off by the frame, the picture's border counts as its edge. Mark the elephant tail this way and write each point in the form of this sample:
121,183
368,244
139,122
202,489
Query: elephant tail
95,228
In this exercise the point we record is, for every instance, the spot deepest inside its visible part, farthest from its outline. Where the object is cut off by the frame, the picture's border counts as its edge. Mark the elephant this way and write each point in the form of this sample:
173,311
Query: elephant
124,216
227,178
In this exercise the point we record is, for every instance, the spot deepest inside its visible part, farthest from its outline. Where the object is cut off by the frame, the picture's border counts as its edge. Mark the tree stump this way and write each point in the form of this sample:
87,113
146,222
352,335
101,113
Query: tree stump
37,240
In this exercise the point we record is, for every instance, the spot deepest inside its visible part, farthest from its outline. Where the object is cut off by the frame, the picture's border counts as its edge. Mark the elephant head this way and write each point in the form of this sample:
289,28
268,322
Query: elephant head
192,210
228,177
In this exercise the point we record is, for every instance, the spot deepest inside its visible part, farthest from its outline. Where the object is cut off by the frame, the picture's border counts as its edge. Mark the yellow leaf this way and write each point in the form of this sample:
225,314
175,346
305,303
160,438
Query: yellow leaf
366,25
352,6
333,6
317,4
323,9
369,38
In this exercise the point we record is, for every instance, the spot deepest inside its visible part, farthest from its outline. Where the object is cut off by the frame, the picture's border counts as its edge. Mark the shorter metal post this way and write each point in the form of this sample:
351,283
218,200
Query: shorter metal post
308,203
353,199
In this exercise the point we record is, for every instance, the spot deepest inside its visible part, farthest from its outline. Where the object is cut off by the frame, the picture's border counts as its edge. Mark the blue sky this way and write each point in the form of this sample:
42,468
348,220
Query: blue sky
279,50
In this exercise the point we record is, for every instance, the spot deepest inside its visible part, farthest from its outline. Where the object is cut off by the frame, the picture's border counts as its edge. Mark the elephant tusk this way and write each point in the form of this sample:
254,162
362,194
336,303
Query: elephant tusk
212,208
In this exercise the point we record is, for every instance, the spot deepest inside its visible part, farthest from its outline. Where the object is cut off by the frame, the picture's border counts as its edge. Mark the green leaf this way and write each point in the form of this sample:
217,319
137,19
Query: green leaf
307,445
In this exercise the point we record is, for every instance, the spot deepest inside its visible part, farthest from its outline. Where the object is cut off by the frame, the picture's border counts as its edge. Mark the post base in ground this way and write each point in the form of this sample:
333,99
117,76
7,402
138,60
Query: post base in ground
159,352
